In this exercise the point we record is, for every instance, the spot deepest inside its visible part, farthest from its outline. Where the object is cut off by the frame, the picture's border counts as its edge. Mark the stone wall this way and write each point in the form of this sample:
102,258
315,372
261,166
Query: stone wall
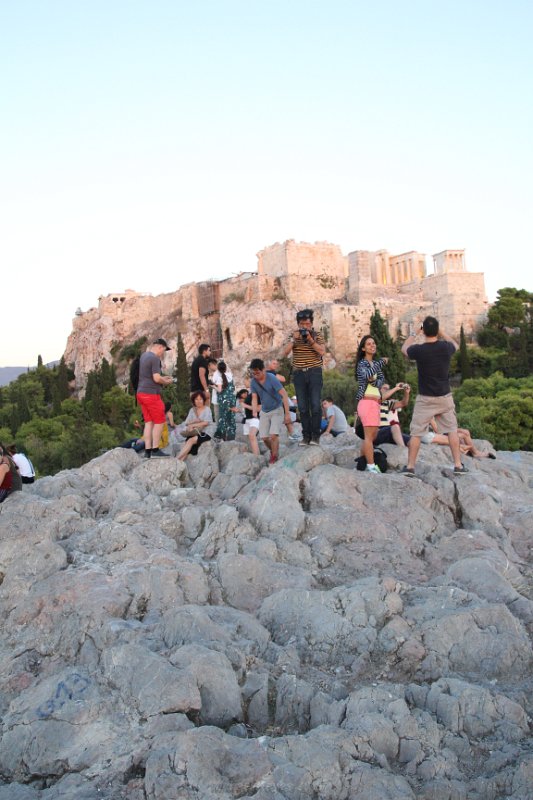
307,273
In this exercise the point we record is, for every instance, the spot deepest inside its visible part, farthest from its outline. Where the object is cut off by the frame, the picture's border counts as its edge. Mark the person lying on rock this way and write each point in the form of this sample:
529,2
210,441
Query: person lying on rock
466,442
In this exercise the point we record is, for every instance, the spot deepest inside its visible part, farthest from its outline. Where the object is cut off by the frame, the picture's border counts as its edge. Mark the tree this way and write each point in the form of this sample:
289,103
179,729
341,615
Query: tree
387,348
465,367
62,380
39,362
182,375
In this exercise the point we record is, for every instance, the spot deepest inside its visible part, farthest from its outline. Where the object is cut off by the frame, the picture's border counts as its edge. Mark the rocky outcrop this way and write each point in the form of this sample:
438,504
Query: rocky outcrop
225,629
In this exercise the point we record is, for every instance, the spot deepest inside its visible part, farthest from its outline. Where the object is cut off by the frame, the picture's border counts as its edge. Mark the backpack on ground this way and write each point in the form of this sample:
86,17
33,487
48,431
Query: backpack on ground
134,372
380,460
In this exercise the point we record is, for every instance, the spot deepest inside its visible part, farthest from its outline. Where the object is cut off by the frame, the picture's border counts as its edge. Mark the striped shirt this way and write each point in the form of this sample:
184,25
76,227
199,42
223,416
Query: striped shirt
303,355
387,414
369,372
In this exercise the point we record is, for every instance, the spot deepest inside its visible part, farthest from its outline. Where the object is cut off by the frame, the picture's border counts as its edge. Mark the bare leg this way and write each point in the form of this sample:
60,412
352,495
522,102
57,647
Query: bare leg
267,441
453,442
397,435
367,448
254,444
414,447
186,449
156,434
466,441
147,435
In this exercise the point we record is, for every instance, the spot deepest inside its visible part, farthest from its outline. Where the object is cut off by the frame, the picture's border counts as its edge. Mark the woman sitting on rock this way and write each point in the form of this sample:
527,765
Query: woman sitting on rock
10,480
198,426
370,379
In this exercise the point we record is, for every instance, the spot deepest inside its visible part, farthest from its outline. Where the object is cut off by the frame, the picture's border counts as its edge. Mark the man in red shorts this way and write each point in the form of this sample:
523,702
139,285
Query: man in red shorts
149,397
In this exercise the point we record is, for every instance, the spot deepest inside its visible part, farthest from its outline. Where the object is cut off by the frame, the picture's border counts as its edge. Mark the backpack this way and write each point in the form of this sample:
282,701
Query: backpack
380,460
134,372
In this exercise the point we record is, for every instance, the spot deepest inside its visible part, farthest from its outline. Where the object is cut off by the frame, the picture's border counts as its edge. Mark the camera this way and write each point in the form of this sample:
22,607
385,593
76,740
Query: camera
304,333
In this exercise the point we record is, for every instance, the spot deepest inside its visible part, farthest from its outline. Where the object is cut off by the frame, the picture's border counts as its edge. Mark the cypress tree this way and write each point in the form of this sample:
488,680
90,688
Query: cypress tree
465,367
62,380
387,348
39,361
182,375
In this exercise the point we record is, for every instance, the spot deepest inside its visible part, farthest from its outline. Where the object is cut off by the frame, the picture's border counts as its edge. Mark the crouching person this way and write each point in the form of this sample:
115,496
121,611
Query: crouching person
268,393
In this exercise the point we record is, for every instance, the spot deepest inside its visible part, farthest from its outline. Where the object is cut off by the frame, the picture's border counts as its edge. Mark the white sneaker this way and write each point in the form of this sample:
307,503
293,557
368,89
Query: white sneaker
295,437
373,468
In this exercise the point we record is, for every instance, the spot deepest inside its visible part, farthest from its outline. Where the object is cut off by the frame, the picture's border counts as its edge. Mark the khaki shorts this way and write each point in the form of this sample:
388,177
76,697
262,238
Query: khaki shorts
442,408
271,422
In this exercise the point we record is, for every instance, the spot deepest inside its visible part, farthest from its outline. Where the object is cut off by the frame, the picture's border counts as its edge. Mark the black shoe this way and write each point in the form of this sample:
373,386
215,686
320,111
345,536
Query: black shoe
147,453
159,454
409,472
462,470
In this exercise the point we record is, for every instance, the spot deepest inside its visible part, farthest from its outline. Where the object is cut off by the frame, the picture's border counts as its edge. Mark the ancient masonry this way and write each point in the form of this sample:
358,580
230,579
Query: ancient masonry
250,314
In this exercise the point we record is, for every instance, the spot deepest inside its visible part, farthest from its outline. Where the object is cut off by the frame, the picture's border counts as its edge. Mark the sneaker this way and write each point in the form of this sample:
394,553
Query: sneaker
159,454
147,454
295,437
304,443
373,468
462,470
409,471
314,442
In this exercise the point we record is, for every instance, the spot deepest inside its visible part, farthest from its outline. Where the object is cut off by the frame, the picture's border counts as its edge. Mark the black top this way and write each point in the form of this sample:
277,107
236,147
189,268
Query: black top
248,413
196,384
433,364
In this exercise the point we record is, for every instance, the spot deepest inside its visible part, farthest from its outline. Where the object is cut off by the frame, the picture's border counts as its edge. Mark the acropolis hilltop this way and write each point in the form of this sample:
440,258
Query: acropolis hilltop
250,314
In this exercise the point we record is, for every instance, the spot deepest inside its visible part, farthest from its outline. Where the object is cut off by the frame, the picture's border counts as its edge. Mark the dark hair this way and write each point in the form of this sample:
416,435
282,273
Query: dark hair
305,313
257,363
242,393
328,399
211,360
430,326
203,348
194,395
221,366
360,349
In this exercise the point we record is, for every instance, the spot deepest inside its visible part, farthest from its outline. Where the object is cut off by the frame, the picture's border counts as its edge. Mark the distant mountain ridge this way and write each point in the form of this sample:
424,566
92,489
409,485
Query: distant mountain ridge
8,374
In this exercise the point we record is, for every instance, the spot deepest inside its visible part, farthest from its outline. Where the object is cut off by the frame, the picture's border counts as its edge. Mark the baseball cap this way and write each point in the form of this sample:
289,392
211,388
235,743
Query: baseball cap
162,341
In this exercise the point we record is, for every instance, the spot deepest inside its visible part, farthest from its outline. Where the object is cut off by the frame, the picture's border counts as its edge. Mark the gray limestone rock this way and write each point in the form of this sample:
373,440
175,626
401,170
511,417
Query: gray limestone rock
222,629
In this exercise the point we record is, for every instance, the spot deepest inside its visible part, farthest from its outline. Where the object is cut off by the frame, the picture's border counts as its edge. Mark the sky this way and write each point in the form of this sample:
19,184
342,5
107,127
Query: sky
148,144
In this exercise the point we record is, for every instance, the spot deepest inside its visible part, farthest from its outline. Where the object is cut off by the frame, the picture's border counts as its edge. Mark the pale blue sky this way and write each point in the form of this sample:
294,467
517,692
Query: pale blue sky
148,144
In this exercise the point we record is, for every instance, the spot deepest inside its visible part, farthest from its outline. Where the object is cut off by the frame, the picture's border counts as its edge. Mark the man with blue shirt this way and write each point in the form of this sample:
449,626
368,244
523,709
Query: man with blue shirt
268,393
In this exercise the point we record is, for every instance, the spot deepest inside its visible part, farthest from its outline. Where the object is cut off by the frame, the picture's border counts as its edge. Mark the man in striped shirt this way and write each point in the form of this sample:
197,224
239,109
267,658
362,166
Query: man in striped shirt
308,347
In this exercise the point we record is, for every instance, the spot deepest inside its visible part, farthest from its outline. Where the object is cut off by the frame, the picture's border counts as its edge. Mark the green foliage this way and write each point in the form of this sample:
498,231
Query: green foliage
511,309
342,388
509,330
130,351
387,348
498,409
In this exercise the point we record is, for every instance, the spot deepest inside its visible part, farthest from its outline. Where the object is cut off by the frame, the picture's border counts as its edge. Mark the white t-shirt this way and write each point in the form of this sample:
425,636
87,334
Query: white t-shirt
24,464
217,380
